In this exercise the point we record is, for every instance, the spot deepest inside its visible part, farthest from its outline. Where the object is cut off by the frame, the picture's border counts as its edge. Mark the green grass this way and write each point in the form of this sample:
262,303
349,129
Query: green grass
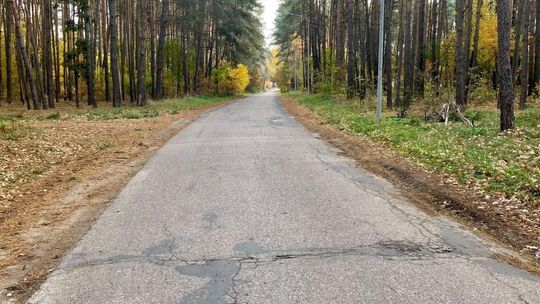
13,131
14,125
508,164
9,117
154,109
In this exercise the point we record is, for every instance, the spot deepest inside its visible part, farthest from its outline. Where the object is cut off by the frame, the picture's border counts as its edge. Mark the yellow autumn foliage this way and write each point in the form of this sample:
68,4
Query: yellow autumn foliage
487,44
229,80
238,79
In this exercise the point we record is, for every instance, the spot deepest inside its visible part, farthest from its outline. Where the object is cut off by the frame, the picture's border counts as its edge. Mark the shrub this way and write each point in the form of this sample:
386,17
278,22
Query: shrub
229,80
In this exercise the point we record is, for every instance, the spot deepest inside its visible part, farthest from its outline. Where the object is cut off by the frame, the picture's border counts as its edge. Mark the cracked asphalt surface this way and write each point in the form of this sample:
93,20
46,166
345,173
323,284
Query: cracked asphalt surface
247,206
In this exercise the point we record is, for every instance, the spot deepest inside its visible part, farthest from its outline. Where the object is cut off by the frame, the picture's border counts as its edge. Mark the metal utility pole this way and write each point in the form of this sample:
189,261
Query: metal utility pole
308,38
295,69
381,62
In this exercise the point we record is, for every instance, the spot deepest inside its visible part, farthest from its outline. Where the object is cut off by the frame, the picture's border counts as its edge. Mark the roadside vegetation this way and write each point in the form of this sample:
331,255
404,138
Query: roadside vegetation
65,112
459,49
500,164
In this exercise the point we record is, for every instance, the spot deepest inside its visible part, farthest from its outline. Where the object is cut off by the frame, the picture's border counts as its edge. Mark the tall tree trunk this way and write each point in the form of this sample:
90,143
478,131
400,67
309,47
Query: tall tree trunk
350,52
532,20
474,56
131,47
90,55
141,56
467,47
340,36
400,50
374,41
408,81
517,36
443,20
389,9
160,57
506,85
524,76
152,45
22,50
57,64
460,54
7,39
537,49
420,51
33,49
185,58
47,51
105,36
1,68
116,86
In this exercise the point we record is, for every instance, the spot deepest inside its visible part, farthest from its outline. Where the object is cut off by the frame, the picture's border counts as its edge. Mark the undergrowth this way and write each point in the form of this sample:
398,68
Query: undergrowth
504,163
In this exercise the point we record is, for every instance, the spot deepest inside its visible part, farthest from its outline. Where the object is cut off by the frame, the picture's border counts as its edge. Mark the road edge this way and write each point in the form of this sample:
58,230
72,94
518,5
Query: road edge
426,190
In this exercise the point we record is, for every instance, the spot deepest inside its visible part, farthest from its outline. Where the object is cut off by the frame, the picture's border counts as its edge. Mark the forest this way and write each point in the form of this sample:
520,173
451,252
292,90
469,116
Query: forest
443,54
127,52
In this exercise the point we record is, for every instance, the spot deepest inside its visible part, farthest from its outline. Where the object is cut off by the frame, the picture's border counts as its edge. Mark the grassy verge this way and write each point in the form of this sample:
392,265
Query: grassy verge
14,122
154,109
481,157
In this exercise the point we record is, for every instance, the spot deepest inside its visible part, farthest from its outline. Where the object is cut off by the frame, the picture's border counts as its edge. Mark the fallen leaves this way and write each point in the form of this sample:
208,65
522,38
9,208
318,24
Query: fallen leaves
49,144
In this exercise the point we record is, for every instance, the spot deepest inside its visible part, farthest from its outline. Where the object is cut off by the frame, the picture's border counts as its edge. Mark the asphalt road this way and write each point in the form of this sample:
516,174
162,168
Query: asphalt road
247,206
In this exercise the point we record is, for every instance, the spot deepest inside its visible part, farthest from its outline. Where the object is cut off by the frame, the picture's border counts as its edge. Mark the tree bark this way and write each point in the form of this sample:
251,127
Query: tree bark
141,56
460,54
408,81
47,52
116,86
524,76
160,57
90,71
22,50
350,52
7,39
474,56
420,51
505,83
388,85
537,49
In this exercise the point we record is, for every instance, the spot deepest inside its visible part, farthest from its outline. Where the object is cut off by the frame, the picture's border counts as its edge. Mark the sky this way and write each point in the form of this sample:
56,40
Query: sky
270,11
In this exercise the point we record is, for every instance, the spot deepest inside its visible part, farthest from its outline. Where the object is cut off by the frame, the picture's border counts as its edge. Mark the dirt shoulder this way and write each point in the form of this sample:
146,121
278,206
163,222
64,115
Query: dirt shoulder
429,191
57,182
